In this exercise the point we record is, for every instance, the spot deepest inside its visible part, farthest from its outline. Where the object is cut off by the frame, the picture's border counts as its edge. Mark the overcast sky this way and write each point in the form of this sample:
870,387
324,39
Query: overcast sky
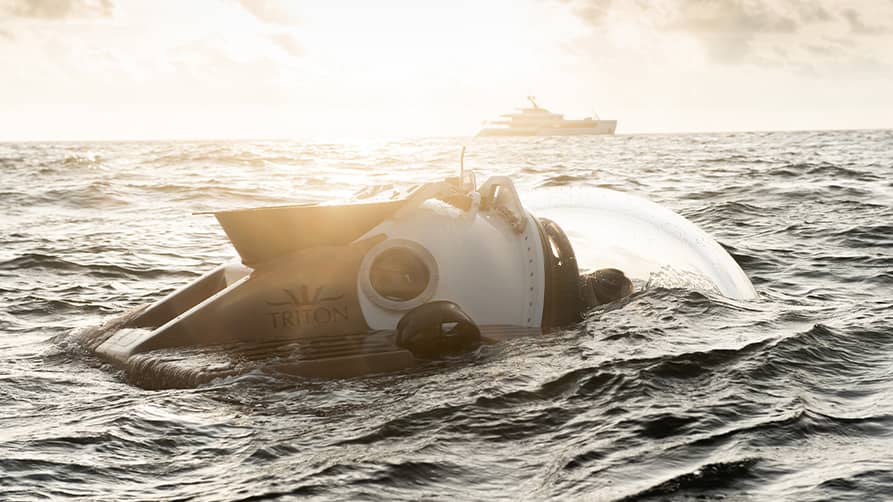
145,69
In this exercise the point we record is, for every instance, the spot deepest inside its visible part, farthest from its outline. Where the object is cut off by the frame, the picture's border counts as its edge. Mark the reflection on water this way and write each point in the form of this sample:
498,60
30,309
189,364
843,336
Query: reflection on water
673,393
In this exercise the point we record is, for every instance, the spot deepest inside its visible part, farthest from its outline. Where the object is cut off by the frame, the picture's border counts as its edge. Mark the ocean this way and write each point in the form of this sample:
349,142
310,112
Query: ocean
677,395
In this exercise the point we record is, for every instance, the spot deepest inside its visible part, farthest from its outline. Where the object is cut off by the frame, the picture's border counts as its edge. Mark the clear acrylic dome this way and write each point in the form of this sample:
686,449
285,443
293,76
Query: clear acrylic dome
653,245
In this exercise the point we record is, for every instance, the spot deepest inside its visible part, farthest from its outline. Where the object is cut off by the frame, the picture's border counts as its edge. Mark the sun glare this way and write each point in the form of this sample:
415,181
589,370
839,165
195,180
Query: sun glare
625,35
350,69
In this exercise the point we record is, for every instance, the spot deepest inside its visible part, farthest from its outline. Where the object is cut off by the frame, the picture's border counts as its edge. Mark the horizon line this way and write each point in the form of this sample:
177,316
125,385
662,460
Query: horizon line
352,139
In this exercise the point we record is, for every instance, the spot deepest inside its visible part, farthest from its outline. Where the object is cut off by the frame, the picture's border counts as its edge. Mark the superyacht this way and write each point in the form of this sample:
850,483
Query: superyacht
537,121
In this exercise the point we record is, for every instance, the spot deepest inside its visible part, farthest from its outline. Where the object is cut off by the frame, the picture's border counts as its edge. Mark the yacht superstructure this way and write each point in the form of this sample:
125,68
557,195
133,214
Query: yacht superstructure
538,121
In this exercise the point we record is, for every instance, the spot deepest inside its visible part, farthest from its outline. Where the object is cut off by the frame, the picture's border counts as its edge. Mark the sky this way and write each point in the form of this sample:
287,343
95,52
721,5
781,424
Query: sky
328,70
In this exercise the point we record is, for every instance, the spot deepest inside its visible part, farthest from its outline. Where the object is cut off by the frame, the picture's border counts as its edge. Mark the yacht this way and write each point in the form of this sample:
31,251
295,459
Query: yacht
537,121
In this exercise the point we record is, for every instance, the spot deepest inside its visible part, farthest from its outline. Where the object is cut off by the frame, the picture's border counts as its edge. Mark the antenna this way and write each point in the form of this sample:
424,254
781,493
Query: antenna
466,181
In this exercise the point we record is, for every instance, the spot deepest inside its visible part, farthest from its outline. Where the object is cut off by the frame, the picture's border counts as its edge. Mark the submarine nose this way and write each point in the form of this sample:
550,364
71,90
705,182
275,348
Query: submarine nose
625,236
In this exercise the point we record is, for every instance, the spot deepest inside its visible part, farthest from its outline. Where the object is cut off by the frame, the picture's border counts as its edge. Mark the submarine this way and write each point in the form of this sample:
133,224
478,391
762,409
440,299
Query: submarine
339,291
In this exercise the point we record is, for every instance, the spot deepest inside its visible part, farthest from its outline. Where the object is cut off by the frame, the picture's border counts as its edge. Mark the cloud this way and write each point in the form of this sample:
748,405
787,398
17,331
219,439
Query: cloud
593,11
272,11
227,57
276,15
57,9
762,32
288,43
810,11
742,18
857,26
728,28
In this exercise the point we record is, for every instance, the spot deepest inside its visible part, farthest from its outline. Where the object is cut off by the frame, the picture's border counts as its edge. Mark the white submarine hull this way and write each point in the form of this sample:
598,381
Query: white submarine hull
321,291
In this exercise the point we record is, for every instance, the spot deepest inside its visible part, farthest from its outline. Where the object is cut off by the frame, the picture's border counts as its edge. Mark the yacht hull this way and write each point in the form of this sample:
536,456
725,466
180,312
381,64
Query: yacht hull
600,128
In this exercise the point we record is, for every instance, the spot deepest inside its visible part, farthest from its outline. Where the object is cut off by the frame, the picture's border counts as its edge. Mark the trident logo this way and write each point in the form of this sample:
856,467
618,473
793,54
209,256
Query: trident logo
302,298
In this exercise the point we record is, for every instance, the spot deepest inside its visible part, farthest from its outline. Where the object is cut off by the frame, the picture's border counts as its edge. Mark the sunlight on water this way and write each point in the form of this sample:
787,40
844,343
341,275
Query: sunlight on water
672,393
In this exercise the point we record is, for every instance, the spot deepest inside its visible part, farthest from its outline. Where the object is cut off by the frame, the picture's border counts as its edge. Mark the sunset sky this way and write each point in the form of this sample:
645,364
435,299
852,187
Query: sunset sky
150,69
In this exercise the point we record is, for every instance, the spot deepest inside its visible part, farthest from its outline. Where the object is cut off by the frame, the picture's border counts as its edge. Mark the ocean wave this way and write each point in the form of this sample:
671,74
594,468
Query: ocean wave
97,194
39,261
710,478
670,394
84,159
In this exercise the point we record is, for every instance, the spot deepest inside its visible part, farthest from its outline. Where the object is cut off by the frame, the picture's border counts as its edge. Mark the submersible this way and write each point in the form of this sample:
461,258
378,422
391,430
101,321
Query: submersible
343,290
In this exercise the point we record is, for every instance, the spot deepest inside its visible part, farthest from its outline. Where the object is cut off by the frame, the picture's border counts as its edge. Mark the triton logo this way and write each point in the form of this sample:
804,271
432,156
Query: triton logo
307,310
303,299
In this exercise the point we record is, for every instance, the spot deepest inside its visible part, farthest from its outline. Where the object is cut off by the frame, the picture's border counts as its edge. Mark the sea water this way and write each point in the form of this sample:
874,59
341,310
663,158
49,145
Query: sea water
677,394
